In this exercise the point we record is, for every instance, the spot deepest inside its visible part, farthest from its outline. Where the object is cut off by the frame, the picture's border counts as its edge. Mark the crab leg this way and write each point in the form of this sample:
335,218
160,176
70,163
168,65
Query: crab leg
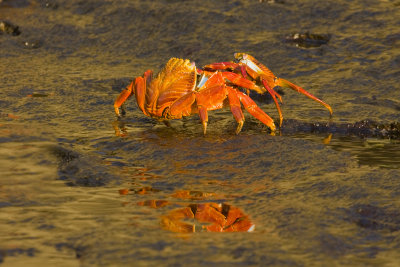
284,83
234,103
203,114
210,96
248,84
273,94
210,99
140,92
255,110
122,97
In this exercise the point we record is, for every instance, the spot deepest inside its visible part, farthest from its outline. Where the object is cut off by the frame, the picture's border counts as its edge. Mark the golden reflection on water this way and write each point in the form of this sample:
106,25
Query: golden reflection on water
119,128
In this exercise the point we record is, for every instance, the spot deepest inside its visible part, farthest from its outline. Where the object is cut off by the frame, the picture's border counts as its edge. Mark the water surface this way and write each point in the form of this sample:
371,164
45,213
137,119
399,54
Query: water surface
80,188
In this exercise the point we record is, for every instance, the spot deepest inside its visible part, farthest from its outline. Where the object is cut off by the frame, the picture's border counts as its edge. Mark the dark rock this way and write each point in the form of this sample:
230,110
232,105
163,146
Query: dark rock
8,28
308,40
364,129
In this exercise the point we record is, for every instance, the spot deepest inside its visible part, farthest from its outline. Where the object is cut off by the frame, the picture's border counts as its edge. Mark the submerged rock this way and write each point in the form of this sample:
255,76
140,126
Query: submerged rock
363,129
308,40
78,170
8,28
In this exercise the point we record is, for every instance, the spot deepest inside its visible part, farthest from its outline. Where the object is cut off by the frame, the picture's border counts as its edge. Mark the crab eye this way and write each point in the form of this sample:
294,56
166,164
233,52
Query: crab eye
239,56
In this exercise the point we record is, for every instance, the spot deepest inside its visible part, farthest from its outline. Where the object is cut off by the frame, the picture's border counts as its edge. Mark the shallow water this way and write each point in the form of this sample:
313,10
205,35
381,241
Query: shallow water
79,187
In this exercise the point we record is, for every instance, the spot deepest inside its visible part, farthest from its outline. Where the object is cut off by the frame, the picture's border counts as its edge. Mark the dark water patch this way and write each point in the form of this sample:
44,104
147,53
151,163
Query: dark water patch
31,44
50,4
13,252
81,170
365,18
375,218
265,98
80,8
85,7
331,190
392,39
161,251
119,18
118,84
14,3
95,85
79,250
334,245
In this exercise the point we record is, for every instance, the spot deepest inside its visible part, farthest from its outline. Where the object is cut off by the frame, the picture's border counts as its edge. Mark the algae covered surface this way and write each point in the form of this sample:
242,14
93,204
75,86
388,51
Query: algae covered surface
79,187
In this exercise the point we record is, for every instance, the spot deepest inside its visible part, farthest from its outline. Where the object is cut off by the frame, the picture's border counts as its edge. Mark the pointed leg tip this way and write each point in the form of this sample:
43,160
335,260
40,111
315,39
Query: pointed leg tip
204,128
117,112
239,127
330,111
272,127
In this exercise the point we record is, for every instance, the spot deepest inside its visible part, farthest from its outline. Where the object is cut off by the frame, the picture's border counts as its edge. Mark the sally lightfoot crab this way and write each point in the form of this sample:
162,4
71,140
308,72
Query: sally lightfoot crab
180,89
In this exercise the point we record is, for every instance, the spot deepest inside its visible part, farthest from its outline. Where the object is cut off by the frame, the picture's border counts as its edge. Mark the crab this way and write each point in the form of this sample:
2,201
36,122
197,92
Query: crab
180,89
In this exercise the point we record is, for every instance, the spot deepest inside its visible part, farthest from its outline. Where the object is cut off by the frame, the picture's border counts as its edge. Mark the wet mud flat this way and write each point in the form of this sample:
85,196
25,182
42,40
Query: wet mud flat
79,187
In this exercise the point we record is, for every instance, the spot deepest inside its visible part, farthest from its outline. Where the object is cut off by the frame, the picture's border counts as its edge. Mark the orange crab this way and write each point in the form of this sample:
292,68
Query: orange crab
180,89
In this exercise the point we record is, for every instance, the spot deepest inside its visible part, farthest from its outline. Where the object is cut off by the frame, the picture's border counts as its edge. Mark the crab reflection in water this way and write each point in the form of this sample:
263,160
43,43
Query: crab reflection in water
198,217
212,217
